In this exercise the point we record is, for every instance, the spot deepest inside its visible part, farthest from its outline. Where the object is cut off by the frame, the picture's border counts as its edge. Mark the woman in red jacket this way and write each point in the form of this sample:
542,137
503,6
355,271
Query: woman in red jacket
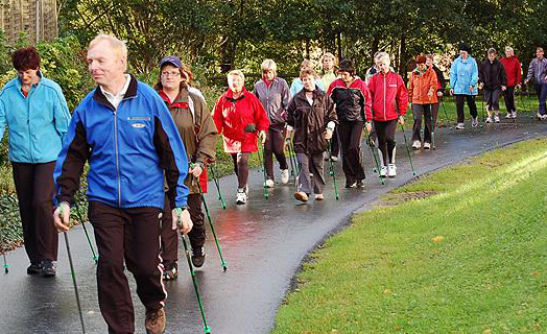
513,70
389,104
241,119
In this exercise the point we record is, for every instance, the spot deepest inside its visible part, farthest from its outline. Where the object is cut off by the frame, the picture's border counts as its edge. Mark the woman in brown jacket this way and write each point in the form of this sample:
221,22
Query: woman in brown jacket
312,117
199,134
422,94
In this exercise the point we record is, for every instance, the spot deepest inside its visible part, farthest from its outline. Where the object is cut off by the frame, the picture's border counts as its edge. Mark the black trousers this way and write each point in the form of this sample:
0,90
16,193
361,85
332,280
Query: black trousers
460,100
35,190
350,134
386,140
170,237
509,96
130,236
273,145
422,111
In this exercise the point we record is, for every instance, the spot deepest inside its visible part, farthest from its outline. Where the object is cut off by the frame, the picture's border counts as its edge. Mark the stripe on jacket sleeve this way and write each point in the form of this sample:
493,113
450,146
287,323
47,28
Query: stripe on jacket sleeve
70,162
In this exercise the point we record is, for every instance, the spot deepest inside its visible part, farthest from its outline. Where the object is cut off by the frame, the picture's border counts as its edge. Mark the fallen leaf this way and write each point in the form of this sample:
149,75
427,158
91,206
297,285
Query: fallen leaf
438,239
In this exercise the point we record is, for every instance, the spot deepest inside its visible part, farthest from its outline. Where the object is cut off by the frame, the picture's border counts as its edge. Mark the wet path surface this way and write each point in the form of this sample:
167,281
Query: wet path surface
264,243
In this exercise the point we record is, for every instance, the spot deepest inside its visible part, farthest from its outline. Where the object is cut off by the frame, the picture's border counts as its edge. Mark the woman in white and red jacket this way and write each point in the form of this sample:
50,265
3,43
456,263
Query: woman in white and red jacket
389,104
241,119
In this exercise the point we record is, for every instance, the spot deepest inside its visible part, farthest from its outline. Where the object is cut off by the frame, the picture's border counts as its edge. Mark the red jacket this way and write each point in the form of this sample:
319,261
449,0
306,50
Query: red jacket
389,96
513,70
232,116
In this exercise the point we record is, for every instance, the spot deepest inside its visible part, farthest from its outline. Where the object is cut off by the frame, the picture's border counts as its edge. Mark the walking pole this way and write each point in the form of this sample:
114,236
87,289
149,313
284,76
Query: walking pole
6,265
222,262
260,159
217,184
79,214
446,115
408,151
332,170
206,328
291,161
293,155
73,274
370,143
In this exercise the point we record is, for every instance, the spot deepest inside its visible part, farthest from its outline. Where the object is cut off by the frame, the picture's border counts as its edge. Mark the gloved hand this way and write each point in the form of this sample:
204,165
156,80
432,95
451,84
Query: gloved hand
61,216
182,220
251,128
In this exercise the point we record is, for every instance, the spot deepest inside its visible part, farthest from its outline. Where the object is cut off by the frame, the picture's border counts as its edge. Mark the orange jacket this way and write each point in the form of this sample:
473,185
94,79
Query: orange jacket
420,85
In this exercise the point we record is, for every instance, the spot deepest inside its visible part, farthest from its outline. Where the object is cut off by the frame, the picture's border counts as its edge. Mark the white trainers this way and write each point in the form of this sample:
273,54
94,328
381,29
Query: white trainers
241,197
269,183
514,114
416,145
509,115
319,197
496,119
427,146
284,176
391,170
460,126
383,171
475,122
301,196
334,158
488,120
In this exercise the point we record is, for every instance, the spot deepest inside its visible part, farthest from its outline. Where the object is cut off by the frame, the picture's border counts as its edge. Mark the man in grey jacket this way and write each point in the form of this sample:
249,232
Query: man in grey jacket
537,73
274,95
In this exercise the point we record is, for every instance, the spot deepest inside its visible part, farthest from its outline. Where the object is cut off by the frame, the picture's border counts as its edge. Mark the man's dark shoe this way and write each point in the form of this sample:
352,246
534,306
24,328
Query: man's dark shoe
48,269
34,268
198,257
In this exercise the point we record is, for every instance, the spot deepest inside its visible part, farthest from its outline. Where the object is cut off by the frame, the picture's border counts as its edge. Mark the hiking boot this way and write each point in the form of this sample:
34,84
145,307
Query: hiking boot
427,146
383,171
301,196
319,197
48,269
198,257
155,322
460,126
496,119
391,170
269,183
475,122
417,145
171,271
34,268
284,176
488,120
241,197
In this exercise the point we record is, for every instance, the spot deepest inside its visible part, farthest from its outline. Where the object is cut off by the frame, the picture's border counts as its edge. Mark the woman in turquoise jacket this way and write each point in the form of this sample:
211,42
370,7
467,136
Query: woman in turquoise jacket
464,76
36,114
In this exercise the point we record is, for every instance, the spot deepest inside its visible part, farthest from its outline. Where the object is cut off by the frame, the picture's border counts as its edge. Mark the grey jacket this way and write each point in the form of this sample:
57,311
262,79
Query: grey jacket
537,70
275,99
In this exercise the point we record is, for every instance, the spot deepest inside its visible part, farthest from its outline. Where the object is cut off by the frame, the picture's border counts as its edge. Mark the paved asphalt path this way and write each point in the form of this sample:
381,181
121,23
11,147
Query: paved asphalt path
264,243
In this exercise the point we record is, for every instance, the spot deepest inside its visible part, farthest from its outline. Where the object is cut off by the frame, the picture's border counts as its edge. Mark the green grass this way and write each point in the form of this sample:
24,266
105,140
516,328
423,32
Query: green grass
469,259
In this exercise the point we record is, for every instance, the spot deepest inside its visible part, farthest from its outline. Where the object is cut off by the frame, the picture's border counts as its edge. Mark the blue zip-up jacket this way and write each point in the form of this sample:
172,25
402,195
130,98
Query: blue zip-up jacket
37,123
129,150
464,73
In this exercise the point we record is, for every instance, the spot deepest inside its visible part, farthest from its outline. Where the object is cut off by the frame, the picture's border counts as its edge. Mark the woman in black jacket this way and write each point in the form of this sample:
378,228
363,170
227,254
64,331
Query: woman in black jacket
492,80
312,117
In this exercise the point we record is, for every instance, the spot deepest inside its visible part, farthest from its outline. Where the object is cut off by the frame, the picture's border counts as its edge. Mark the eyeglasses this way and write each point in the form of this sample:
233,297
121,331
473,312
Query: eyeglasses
170,74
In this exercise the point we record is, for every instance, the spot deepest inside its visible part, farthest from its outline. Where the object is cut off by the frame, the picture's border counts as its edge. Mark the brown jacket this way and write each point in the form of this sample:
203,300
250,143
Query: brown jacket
420,85
310,121
197,130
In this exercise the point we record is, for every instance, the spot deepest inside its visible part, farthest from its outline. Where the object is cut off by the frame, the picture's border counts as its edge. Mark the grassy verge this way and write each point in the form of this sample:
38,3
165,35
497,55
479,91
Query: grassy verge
468,258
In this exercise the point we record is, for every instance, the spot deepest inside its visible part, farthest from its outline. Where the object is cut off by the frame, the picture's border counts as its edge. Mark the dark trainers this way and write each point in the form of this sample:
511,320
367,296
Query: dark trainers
198,257
48,269
171,271
155,322
34,268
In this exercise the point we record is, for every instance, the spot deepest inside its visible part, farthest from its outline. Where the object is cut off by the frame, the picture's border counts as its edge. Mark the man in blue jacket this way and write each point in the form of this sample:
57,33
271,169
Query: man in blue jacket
125,132
36,114
464,76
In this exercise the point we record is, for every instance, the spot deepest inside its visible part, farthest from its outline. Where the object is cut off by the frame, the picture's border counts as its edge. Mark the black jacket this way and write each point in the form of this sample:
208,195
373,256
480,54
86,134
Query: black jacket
440,79
492,74
310,121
